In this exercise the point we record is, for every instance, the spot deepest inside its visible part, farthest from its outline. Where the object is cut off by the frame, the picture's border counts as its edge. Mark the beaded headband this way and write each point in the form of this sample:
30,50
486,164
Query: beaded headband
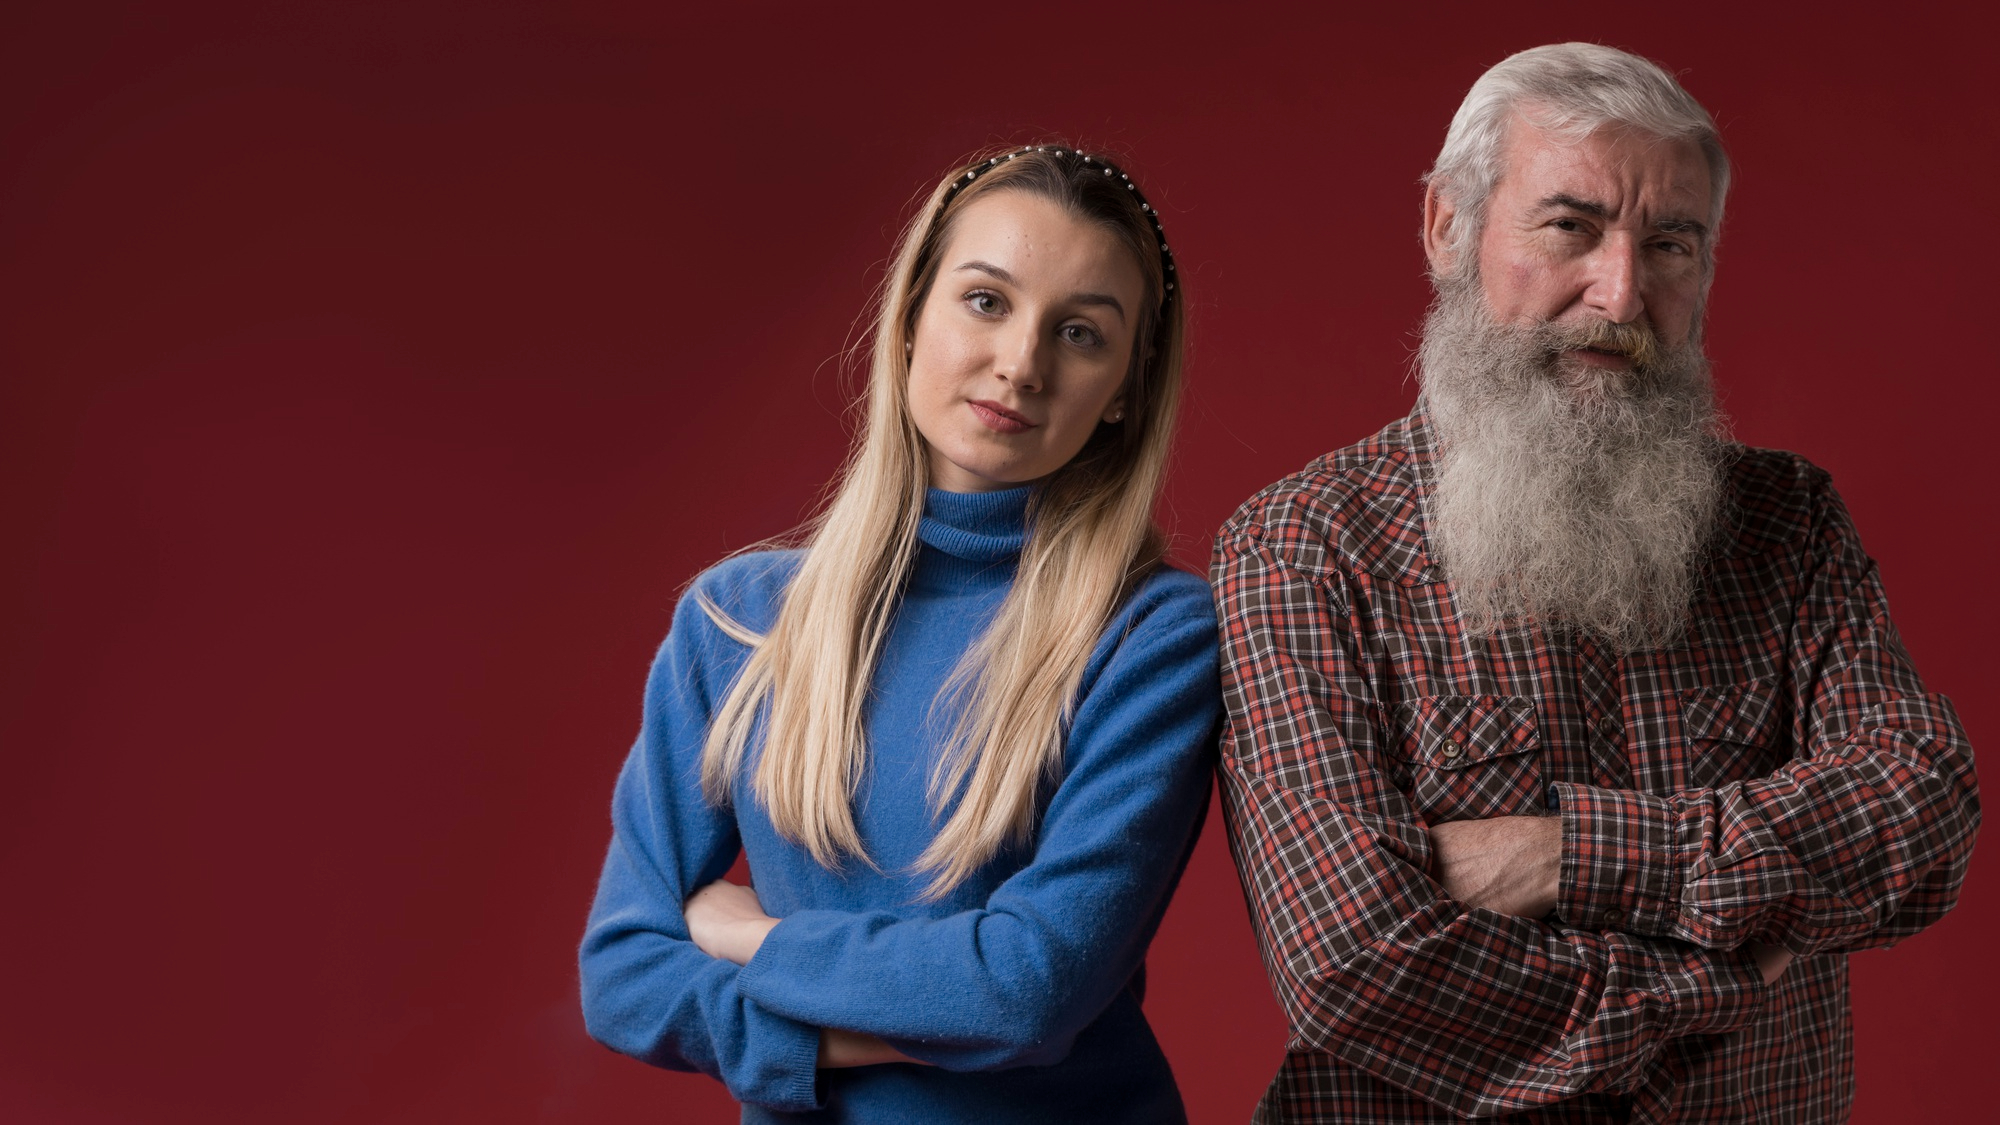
1166,255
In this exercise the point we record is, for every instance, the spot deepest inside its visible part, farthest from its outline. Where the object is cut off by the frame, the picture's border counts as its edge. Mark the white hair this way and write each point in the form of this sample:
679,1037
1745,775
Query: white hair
1570,90
1564,497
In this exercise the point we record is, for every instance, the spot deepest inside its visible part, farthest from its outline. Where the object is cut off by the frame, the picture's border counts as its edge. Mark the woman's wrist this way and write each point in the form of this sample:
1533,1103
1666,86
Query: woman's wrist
726,921
840,1049
747,937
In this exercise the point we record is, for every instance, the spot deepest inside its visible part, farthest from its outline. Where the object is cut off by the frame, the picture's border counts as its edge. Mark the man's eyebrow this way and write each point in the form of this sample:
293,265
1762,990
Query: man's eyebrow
1672,224
1681,226
1105,300
1572,203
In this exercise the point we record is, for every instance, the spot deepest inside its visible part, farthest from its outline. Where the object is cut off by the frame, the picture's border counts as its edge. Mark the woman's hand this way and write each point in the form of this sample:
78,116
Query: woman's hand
839,1049
726,921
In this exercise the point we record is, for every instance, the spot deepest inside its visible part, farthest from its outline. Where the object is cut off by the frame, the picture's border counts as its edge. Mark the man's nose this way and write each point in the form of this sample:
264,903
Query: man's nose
1022,359
1613,286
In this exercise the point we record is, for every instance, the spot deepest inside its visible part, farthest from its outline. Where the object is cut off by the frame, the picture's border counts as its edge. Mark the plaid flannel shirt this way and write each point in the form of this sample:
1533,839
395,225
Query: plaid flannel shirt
1779,776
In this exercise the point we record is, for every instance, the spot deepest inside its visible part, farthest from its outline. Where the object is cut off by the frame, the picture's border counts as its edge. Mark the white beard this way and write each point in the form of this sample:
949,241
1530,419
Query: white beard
1576,498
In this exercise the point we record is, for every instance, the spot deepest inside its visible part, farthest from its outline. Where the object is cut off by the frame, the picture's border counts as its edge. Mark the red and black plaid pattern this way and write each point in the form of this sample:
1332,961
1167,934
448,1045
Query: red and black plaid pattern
1780,776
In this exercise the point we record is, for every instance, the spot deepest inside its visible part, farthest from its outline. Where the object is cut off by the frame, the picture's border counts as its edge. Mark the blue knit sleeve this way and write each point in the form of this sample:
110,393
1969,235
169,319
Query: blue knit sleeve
1013,982
648,991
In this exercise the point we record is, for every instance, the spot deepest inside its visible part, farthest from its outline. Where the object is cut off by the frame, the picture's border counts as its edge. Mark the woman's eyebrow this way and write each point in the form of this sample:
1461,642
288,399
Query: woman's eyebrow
989,269
1105,300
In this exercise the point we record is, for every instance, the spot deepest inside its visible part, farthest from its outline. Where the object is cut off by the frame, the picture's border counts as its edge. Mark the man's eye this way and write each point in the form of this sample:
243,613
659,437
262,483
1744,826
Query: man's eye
1570,225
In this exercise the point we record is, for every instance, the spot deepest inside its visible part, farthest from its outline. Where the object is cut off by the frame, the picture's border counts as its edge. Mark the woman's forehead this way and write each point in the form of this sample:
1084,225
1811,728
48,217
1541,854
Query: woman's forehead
1037,241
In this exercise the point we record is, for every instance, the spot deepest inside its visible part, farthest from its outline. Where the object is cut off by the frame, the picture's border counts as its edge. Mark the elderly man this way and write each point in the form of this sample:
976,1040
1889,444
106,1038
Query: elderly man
1571,747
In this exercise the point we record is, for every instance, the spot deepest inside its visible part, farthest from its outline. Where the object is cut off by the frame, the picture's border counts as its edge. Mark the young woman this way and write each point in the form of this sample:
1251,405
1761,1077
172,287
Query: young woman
964,735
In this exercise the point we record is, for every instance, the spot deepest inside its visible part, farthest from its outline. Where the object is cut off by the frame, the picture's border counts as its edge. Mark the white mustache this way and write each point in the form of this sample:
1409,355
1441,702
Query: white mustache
1637,342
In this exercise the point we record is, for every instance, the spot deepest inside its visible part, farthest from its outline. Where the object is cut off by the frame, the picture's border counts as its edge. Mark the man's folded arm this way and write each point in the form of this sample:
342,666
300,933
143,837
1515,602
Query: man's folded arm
1475,1011
1860,839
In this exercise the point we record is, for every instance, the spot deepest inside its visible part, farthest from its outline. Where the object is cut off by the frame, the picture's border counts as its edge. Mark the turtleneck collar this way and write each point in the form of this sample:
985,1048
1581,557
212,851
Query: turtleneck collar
980,527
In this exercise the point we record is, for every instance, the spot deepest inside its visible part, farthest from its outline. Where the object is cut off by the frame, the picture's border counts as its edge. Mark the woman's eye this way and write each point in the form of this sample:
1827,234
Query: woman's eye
1080,335
984,303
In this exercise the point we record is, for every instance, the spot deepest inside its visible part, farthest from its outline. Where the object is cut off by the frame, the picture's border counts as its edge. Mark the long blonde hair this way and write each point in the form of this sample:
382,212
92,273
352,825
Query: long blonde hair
1091,539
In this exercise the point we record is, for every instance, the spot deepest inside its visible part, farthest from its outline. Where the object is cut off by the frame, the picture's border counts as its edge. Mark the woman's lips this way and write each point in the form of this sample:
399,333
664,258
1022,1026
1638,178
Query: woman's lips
1000,419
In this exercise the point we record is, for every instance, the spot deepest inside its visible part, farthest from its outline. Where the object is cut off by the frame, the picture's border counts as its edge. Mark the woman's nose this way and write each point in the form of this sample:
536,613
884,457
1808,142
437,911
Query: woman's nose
1022,360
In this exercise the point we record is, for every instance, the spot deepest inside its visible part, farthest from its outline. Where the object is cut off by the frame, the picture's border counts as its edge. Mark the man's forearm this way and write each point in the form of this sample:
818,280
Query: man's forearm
1512,865
1378,967
1507,863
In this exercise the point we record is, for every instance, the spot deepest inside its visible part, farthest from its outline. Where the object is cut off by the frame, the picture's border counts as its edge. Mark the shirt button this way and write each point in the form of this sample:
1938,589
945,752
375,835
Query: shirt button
1613,917
1452,749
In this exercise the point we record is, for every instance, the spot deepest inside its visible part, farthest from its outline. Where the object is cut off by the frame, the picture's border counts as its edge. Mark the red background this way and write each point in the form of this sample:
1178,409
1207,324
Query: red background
375,375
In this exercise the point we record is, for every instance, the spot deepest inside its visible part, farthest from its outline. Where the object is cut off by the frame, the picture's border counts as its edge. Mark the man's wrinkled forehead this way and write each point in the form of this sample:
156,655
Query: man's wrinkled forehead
1605,171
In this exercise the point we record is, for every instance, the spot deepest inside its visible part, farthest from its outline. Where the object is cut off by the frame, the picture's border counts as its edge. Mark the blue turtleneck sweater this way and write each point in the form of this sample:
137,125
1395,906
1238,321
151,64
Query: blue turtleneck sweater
1022,986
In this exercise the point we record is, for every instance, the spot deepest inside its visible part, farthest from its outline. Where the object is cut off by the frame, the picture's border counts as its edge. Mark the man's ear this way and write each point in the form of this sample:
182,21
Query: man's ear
1440,241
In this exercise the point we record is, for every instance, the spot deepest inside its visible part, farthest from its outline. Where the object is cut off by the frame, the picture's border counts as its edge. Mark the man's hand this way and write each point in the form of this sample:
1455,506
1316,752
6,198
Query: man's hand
727,922
1511,864
1772,961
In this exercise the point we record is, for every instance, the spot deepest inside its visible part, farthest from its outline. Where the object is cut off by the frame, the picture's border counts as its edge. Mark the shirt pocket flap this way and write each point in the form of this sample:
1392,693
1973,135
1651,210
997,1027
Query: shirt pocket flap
1744,713
1454,732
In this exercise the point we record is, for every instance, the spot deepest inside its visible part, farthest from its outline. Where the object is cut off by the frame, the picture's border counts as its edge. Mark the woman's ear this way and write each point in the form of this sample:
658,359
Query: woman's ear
1115,411
1440,240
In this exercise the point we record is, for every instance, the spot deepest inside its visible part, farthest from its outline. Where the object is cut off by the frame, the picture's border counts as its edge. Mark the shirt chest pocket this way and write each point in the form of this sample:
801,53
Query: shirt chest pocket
1733,732
1473,756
